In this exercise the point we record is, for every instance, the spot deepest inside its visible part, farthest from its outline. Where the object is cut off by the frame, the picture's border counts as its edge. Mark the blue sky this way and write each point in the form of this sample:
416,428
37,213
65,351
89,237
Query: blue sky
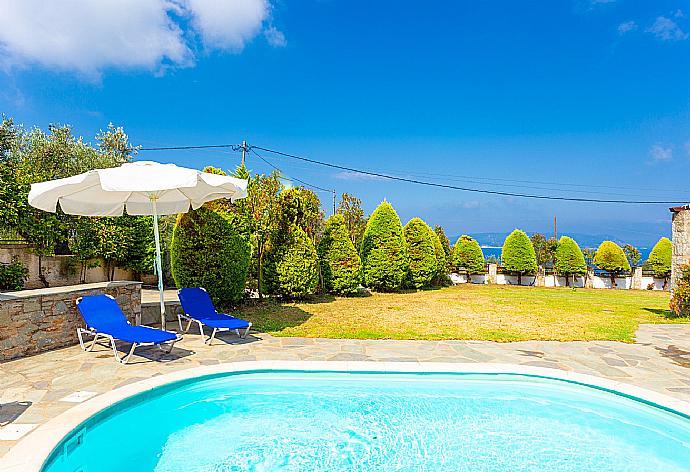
523,96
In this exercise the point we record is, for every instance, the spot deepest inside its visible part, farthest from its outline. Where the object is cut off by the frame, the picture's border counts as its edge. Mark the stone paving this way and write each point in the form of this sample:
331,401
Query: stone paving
36,389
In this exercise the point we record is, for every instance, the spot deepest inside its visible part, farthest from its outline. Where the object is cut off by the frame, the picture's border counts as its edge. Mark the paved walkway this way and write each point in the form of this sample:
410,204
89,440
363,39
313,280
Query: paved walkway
36,389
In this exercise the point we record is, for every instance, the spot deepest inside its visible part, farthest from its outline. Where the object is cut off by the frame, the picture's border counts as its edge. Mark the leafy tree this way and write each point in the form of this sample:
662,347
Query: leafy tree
610,257
299,206
544,249
660,259
259,211
445,244
351,209
421,253
518,255
441,277
385,261
291,267
569,259
589,254
210,249
468,255
340,263
632,254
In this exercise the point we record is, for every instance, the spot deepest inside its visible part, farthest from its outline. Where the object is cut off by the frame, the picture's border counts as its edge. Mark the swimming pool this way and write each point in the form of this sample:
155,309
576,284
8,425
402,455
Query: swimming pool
280,420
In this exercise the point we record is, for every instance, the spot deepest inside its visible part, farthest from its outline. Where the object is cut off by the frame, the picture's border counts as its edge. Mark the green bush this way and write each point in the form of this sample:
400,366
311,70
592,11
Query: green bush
569,259
518,255
385,262
210,249
291,265
420,249
441,276
468,256
13,275
680,299
340,264
611,258
660,259
445,244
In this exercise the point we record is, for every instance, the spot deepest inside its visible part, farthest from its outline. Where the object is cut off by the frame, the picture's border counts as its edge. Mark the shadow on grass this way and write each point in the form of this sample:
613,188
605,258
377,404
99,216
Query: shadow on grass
668,314
275,317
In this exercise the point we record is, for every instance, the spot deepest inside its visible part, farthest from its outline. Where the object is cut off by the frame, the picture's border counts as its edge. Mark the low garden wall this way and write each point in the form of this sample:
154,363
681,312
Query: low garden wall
634,281
34,321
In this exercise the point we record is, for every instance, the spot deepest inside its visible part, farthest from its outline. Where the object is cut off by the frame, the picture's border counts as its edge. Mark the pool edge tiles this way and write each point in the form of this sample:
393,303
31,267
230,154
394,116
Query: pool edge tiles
32,452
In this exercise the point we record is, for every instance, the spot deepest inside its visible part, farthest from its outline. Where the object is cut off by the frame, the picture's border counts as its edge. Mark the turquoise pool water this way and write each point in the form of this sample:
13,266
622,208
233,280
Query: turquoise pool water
297,421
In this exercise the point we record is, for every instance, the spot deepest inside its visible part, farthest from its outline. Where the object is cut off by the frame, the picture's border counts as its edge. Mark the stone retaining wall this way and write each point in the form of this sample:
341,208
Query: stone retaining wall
33,321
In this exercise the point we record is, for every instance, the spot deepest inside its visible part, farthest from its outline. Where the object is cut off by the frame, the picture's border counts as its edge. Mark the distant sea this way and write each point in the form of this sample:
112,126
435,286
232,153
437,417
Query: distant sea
496,251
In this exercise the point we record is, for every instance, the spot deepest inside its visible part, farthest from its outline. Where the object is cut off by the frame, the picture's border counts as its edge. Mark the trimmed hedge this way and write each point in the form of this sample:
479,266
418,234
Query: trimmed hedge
210,250
569,259
385,262
468,255
518,255
291,266
660,258
340,263
611,258
420,249
441,276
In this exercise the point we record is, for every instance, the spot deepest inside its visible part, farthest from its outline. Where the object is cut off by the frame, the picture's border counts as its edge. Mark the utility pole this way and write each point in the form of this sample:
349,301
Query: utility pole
334,201
554,228
244,149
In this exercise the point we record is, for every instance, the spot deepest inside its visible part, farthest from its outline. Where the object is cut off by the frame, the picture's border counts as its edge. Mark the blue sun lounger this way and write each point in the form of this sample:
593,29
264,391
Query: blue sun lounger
104,318
198,308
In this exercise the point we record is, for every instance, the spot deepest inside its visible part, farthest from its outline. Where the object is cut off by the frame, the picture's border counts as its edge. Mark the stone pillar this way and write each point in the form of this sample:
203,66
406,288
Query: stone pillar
491,276
589,282
636,282
540,281
681,240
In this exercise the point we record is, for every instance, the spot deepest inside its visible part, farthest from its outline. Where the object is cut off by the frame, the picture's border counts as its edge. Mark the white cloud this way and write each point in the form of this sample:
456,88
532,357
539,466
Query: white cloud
275,37
667,30
88,36
228,24
660,153
626,27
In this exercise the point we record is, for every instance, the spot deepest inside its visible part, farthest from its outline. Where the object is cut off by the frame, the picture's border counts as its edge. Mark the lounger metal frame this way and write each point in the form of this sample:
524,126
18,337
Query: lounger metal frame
124,359
210,339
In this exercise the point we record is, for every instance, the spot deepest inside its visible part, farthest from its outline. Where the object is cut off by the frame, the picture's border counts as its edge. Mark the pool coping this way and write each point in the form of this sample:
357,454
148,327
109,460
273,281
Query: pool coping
29,454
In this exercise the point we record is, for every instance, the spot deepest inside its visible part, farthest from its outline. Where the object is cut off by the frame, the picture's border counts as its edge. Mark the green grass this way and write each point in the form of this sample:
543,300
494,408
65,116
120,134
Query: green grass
480,312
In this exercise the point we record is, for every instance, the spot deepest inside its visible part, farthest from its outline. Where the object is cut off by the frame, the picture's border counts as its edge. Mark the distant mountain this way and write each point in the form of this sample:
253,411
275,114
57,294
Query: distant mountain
583,240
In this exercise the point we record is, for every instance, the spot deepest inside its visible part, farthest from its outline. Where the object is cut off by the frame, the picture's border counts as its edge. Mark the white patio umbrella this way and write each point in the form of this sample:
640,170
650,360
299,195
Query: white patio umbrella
140,188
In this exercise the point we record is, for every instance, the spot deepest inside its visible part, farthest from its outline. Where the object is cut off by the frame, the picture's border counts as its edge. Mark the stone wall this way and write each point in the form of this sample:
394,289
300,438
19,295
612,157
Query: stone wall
57,270
33,321
681,240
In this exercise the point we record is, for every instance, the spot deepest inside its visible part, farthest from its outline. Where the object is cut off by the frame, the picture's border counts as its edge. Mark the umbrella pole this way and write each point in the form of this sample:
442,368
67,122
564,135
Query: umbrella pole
159,269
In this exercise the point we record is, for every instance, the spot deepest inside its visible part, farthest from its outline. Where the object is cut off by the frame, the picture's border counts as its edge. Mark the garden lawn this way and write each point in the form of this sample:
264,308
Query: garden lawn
480,312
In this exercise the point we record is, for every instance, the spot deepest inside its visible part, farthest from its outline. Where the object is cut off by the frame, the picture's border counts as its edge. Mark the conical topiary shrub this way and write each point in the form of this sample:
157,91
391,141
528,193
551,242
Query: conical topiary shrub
420,250
291,266
441,276
384,257
518,255
468,256
209,250
660,259
340,264
611,258
569,259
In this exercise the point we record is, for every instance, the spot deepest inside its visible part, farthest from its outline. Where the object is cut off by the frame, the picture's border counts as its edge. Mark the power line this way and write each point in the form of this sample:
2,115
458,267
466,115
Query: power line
467,189
237,147
288,177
